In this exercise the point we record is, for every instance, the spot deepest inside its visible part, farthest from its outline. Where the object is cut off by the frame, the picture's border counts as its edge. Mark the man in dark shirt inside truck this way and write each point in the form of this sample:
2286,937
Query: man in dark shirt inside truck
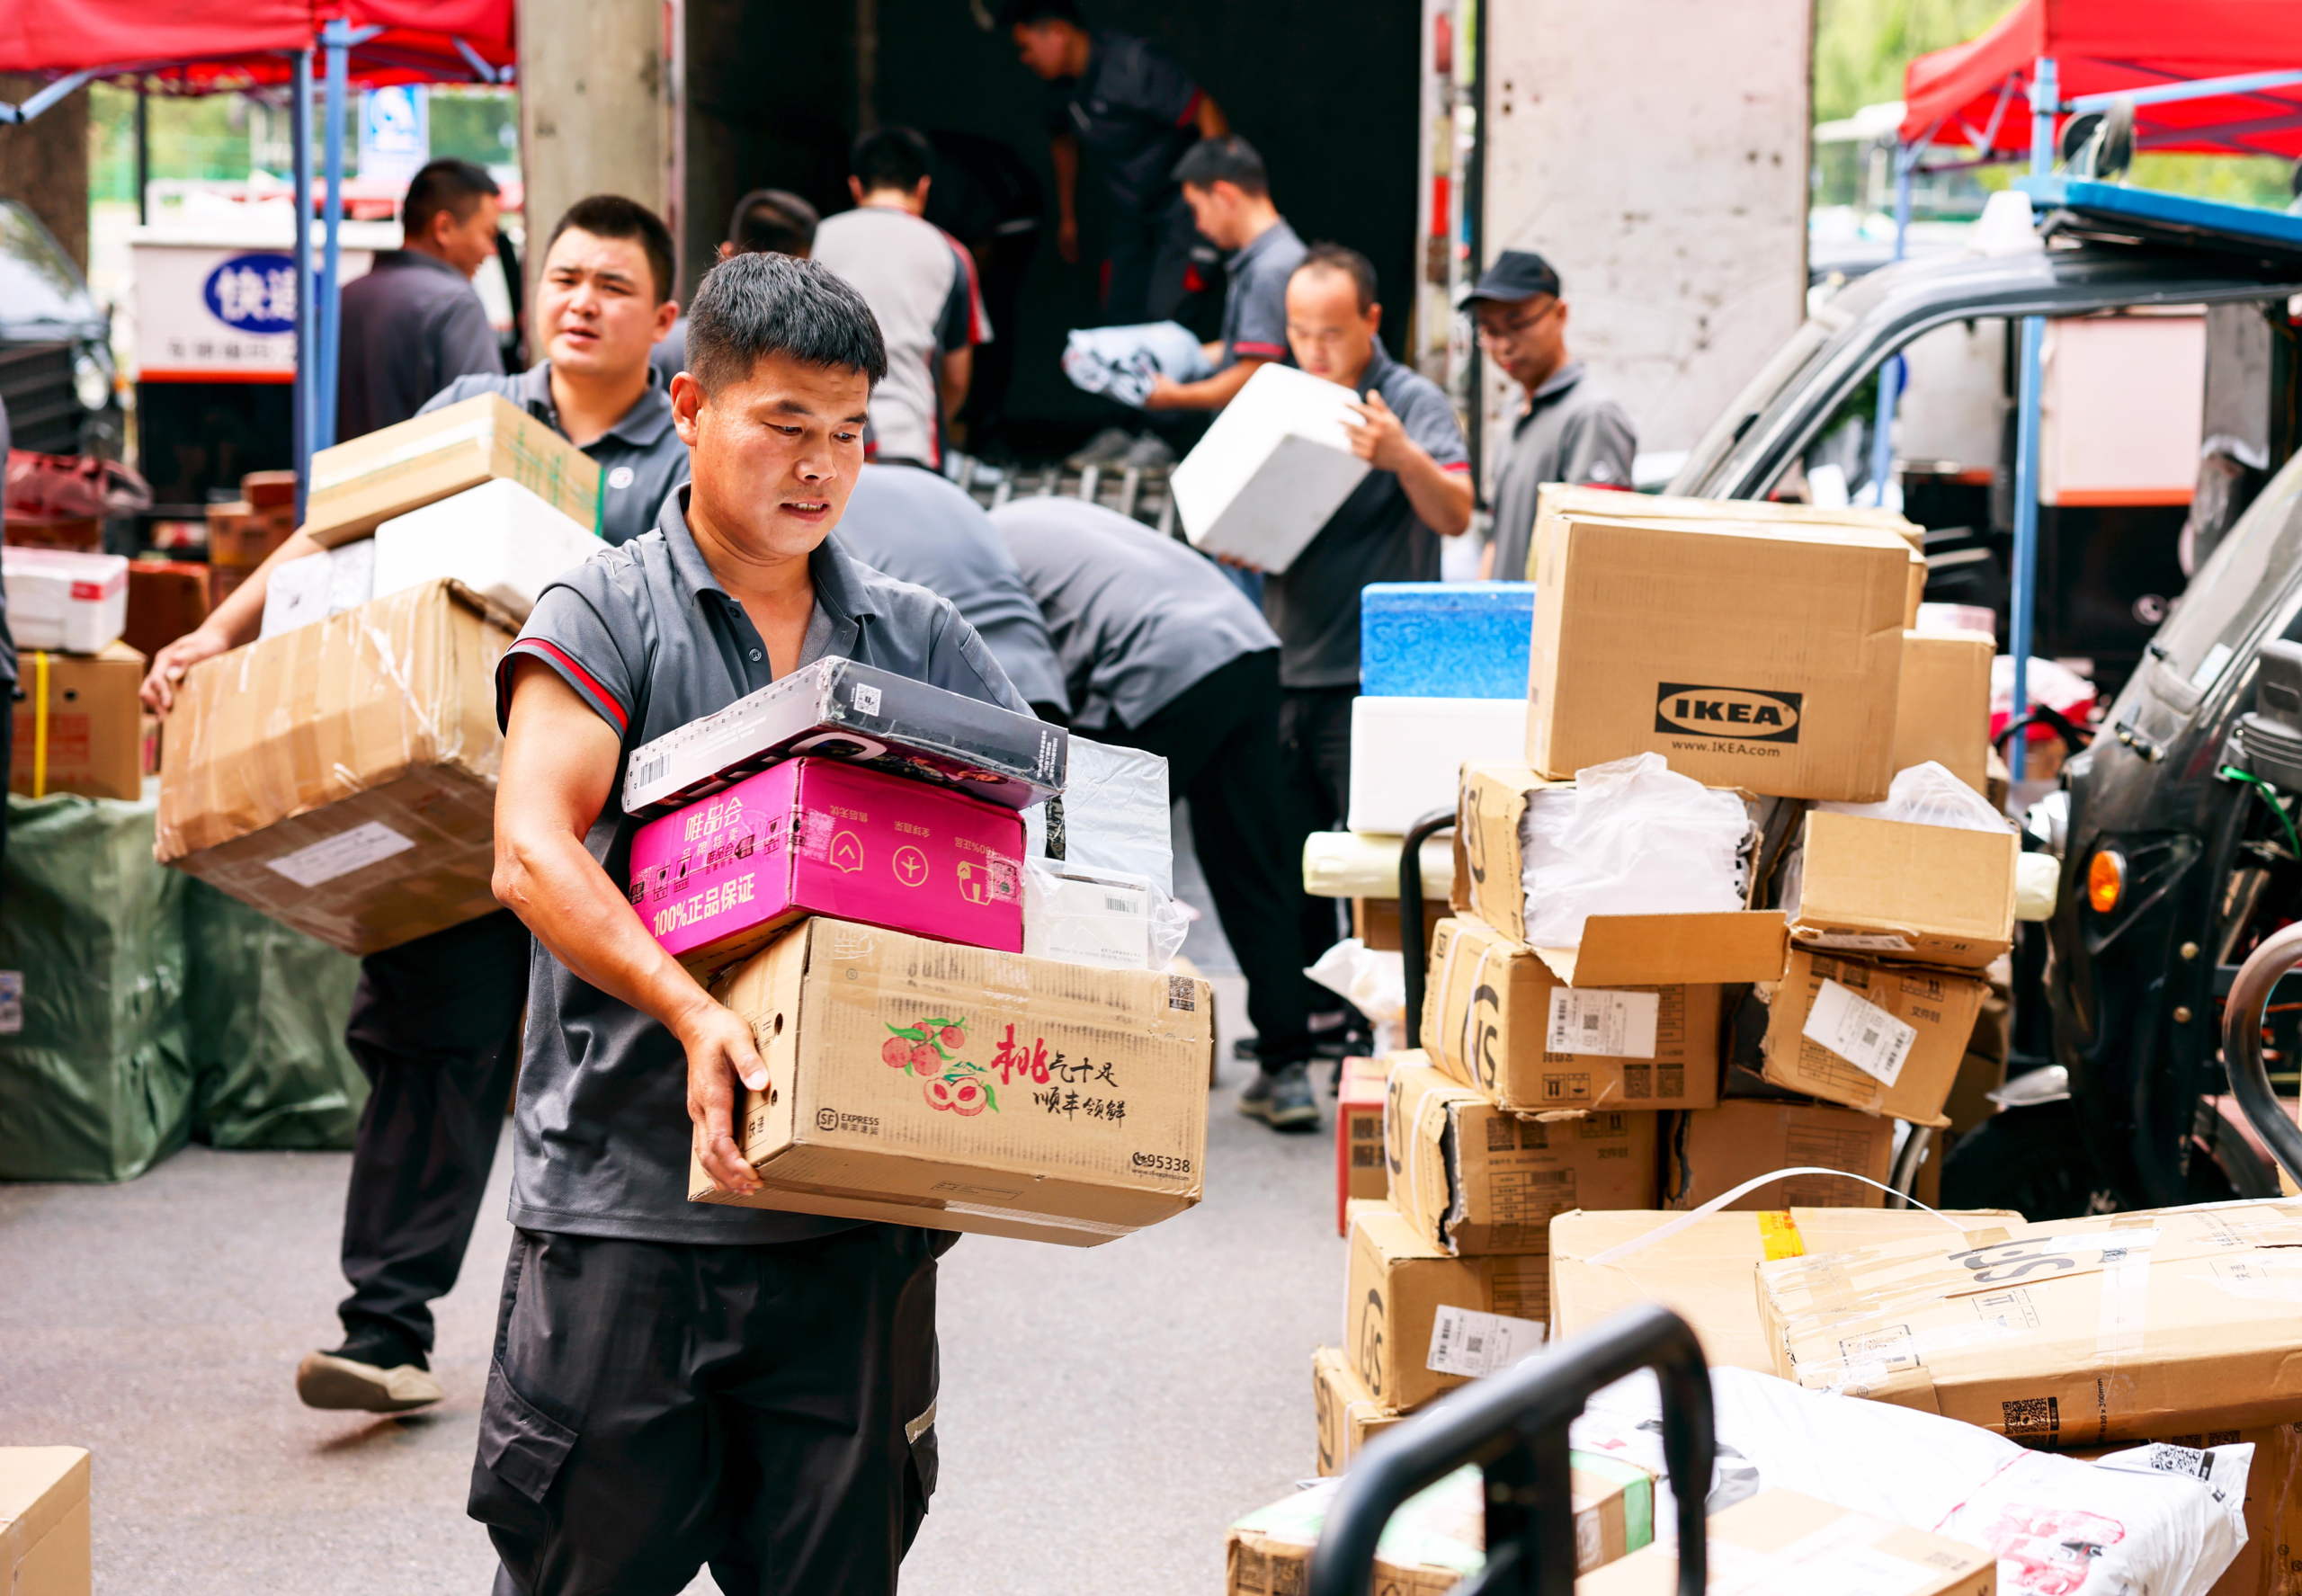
678,1383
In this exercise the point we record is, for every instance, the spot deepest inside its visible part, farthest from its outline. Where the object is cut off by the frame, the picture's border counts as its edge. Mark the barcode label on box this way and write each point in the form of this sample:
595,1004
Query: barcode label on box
866,699
1602,1024
342,854
1466,1341
1850,942
653,771
1859,1031
11,1003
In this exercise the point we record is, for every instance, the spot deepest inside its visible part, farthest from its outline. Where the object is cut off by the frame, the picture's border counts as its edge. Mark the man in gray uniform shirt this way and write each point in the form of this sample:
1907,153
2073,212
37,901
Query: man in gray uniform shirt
916,527
412,324
1569,431
1161,652
1229,195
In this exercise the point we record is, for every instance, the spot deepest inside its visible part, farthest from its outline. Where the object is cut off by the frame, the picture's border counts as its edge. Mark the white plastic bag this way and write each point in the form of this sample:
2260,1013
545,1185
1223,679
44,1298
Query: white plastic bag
1123,362
1111,919
2059,1527
1374,981
1115,813
1631,837
1928,795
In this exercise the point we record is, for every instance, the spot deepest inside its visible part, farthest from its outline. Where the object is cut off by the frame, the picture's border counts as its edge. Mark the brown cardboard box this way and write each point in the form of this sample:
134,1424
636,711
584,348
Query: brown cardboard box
269,490
1617,950
1349,1415
2071,1332
1706,1271
1359,1172
91,740
1070,1103
166,599
1714,1150
1405,1303
44,1528
1783,1541
1764,656
242,536
82,534
1375,922
1884,1039
1492,1008
340,777
1557,500
357,487
1943,711
1474,1178
1921,894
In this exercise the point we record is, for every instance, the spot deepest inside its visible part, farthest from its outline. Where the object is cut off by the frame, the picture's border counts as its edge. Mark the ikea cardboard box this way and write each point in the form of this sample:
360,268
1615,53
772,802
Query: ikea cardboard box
1474,1178
1943,712
44,1528
1359,1172
1884,1039
1712,1151
1744,945
1779,1540
1920,894
340,777
79,725
356,486
956,1088
1349,1415
1767,657
1418,1322
1270,470
1497,1017
1706,1269
2070,1332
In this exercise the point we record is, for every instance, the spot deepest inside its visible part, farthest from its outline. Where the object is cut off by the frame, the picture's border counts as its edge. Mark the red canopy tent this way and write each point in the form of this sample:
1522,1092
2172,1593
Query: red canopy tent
215,45
1978,94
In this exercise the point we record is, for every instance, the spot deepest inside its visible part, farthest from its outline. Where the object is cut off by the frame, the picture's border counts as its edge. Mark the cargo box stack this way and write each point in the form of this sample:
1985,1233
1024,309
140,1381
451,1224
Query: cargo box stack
78,726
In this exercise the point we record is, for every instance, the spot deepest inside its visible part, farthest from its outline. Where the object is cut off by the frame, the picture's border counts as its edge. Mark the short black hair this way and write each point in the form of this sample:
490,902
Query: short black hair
772,221
890,158
1228,159
1025,14
1338,257
749,307
611,215
453,186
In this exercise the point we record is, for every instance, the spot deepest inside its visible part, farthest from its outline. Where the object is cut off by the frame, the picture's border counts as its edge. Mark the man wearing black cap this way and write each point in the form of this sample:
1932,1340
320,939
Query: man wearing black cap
1568,432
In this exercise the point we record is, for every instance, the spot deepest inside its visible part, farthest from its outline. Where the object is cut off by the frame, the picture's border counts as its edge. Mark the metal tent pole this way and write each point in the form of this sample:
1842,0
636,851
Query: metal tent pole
2026,442
1890,374
299,133
335,39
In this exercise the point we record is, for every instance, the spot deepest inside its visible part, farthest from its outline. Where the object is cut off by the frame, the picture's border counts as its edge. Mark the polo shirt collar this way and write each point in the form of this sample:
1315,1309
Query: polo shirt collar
840,586
1559,382
416,257
1266,239
645,423
1378,366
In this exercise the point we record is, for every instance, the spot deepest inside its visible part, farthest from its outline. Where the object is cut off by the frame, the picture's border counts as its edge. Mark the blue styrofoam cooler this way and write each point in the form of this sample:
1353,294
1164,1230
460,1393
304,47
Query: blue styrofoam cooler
1445,640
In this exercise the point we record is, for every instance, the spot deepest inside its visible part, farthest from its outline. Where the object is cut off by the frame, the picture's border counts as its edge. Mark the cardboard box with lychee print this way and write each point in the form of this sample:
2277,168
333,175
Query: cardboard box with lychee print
958,1088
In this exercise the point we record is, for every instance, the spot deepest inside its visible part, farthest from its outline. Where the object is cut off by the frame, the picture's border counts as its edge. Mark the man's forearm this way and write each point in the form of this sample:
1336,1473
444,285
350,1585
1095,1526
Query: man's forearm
958,373
1442,498
240,616
1209,393
1064,153
560,893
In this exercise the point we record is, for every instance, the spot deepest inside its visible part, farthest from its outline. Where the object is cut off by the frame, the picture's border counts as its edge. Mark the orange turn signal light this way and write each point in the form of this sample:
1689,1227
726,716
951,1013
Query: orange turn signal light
2105,880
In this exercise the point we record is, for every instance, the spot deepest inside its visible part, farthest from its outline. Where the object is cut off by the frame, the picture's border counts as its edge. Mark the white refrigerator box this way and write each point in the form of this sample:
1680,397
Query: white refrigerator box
319,586
1407,754
498,539
1276,463
76,604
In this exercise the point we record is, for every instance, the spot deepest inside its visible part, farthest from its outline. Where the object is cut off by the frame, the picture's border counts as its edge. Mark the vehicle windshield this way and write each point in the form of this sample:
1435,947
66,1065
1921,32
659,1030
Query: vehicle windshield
40,289
1780,372
2248,575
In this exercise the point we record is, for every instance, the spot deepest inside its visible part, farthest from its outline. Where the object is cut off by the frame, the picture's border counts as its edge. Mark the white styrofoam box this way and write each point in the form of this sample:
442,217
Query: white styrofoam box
77,603
1275,464
1407,754
497,538
319,586
2122,409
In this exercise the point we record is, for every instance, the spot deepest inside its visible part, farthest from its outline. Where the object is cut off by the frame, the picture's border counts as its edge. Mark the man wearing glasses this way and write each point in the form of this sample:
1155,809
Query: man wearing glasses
1568,432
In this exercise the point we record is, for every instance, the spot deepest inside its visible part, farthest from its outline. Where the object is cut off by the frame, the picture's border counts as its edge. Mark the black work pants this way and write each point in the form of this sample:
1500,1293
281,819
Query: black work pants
1220,740
1150,258
767,1410
435,1027
1315,750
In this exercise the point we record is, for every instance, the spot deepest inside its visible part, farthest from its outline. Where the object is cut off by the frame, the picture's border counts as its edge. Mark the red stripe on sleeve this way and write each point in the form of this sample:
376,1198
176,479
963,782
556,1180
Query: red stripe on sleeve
1456,465
1259,351
1190,111
584,678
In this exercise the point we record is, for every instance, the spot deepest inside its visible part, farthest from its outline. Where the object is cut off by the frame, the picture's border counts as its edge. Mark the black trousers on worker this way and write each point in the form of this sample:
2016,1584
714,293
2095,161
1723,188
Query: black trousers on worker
1220,740
435,1027
1315,749
767,1410
1150,263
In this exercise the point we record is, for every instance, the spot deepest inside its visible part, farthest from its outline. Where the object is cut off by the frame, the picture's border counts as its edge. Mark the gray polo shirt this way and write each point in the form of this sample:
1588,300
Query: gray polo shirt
641,459
918,528
1572,432
1375,535
1135,111
1137,619
648,637
411,327
1255,299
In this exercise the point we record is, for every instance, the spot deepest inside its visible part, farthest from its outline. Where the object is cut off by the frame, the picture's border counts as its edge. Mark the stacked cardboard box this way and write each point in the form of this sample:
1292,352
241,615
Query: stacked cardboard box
78,727
242,534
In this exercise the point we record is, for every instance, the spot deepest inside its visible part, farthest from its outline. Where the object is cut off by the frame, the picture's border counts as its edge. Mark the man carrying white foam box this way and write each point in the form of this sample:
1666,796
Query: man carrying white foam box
436,1022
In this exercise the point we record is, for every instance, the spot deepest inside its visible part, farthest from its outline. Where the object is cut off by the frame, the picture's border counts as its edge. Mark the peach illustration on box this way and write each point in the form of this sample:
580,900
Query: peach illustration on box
923,1051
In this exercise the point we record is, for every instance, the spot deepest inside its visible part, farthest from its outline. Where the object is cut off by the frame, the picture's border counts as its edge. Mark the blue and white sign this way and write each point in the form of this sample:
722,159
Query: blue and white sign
395,133
254,294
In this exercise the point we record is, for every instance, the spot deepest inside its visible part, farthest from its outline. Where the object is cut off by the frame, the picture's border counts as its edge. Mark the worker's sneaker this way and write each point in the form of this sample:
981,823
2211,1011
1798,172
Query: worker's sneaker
1281,1099
368,1374
1150,453
1103,449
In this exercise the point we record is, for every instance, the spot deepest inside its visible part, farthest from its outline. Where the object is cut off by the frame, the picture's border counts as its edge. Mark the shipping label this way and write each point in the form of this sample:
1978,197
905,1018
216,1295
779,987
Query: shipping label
340,855
1602,1024
1859,1031
1850,942
1466,1341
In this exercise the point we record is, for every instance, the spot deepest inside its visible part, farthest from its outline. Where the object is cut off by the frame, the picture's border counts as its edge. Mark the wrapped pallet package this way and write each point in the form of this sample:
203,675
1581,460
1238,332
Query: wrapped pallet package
96,1081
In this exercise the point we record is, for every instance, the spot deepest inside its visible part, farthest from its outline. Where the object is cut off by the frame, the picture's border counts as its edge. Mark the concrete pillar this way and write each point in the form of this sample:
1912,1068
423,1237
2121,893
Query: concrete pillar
595,108
44,163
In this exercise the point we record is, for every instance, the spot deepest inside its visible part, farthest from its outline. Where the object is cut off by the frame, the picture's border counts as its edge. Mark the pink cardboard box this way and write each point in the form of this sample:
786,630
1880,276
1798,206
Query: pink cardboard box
715,881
